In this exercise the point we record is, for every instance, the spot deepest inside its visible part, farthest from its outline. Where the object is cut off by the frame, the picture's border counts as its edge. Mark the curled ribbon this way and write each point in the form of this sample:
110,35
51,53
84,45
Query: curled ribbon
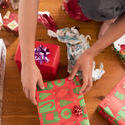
77,110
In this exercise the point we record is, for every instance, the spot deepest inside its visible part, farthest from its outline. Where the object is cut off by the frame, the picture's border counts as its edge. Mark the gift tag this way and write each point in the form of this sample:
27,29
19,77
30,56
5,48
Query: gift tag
13,25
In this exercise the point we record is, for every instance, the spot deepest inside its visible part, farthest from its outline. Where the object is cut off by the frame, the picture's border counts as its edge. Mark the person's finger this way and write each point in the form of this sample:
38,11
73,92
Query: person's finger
33,96
73,73
26,92
40,83
89,86
85,82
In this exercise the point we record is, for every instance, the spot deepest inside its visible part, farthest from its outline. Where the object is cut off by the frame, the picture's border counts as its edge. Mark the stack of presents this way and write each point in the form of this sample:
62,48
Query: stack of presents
60,103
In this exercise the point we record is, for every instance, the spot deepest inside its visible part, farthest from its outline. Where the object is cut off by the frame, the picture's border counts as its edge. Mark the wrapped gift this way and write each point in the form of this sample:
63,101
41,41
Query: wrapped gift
10,22
113,106
60,103
47,58
119,47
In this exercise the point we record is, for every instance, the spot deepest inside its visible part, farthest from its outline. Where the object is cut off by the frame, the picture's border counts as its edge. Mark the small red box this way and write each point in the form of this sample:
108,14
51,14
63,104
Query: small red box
48,70
10,22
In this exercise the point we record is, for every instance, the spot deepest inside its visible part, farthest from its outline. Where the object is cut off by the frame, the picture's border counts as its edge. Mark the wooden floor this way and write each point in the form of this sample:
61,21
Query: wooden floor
17,110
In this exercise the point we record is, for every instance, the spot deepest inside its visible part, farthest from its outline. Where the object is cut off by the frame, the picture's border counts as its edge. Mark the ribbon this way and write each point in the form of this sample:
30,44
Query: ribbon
77,110
41,54
47,20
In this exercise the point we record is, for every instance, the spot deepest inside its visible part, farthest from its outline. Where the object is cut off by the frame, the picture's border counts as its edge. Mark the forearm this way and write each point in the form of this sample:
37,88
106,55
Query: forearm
113,33
27,28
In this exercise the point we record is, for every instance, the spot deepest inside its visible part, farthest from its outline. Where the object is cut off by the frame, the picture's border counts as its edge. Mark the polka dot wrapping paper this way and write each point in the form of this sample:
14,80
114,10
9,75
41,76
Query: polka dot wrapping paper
60,103
113,106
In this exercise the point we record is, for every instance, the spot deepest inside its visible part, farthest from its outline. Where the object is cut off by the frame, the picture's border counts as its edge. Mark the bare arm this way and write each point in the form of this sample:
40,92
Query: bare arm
85,61
113,33
30,74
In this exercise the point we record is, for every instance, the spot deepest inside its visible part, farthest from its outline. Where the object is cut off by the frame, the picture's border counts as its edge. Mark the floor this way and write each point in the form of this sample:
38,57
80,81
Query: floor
17,110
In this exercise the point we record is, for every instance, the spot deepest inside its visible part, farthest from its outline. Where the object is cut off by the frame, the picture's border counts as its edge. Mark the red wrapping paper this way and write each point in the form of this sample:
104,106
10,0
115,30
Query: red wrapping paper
113,106
48,70
57,101
74,10
10,22
46,19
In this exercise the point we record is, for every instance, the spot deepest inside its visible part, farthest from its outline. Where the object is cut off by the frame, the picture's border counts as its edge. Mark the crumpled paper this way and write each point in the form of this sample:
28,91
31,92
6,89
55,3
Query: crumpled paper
76,45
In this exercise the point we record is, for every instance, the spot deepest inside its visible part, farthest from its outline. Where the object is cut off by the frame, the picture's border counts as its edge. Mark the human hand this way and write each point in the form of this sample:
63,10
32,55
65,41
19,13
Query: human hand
84,64
30,77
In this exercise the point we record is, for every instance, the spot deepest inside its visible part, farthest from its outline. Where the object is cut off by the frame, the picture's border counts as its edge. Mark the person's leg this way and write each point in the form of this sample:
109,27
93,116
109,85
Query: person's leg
105,26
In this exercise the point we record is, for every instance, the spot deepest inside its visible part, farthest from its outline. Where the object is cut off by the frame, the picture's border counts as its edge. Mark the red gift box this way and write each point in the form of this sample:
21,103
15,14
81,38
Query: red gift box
60,103
48,70
113,106
10,22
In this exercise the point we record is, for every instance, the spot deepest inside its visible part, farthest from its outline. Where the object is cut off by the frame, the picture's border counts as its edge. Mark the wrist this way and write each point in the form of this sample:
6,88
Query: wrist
91,52
28,62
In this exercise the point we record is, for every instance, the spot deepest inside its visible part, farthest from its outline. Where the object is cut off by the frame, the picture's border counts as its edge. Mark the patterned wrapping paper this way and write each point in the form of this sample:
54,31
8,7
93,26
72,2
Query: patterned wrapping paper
56,103
119,47
10,22
113,106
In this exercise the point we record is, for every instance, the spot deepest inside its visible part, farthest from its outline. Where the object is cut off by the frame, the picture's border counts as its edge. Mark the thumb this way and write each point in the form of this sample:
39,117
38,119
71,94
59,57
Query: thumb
73,73
40,83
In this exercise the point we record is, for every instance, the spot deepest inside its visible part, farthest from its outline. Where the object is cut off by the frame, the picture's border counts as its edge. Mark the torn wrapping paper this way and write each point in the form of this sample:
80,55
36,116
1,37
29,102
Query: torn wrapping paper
47,58
73,9
119,47
10,22
46,19
113,106
76,45
60,103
